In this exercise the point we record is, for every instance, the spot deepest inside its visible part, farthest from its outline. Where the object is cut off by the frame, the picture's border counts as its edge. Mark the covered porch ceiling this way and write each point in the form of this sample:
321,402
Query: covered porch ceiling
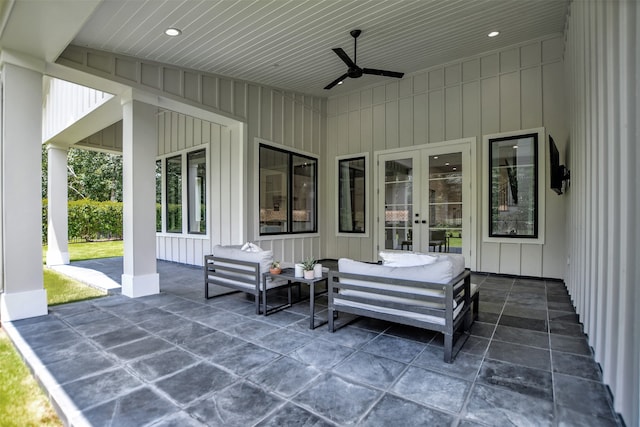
282,43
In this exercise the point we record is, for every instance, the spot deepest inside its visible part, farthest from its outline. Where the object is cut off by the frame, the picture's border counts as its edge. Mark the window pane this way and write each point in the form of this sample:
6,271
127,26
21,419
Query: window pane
174,194
274,172
304,194
158,195
513,187
197,195
351,195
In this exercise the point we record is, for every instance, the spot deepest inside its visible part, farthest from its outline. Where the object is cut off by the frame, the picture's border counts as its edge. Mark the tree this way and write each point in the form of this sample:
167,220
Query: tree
90,175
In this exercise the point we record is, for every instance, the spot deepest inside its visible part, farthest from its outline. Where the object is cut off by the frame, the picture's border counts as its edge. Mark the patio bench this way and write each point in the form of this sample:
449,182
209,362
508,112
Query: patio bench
426,296
241,270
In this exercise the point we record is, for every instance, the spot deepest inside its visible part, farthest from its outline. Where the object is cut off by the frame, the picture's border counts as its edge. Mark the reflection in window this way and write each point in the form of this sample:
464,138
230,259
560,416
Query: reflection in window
351,195
174,194
513,186
445,201
288,184
158,195
196,187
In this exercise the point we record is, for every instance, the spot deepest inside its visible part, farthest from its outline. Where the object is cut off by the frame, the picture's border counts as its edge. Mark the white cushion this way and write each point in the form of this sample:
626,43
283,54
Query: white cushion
265,258
437,272
413,315
250,247
406,259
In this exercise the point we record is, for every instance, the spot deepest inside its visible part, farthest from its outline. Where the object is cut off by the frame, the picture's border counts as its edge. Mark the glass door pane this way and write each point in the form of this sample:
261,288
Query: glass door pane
398,204
445,202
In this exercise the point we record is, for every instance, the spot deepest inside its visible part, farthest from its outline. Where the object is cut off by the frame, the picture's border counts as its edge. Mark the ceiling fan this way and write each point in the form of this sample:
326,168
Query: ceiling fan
354,71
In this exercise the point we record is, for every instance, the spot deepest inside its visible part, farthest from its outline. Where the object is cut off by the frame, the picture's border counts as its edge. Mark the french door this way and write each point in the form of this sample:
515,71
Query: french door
424,199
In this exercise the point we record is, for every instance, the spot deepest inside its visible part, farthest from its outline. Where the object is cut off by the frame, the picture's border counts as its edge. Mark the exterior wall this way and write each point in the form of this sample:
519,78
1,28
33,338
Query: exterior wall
284,118
603,71
108,139
512,89
65,103
179,133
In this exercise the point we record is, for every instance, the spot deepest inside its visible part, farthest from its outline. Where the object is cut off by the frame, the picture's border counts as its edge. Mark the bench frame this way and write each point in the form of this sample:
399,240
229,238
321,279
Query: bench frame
245,277
458,289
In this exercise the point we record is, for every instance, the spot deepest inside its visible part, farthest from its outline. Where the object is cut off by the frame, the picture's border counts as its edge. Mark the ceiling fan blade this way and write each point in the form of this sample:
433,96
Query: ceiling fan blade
341,53
336,81
382,73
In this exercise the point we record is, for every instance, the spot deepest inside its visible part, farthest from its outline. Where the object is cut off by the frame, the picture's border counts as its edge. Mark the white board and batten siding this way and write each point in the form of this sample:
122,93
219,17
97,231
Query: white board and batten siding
517,88
247,111
602,63
179,134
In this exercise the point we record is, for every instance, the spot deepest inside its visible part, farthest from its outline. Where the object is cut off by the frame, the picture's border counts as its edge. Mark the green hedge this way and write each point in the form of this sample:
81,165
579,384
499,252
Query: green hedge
89,220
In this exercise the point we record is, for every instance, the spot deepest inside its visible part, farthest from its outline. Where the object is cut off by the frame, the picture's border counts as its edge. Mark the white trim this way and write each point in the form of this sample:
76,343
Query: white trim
23,305
367,188
140,285
464,145
541,187
183,153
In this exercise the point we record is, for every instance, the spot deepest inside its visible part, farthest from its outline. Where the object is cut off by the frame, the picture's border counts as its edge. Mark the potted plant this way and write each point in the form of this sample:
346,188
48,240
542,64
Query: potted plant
275,268
307,267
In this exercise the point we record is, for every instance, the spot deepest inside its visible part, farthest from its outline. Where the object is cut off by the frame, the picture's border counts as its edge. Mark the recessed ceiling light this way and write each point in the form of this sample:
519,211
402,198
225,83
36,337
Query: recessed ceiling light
493,33
340,83
172,32
435,157
446,164
515,146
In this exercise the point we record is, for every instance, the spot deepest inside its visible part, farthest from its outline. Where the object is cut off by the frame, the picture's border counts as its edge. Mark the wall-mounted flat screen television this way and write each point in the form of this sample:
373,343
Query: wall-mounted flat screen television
557,171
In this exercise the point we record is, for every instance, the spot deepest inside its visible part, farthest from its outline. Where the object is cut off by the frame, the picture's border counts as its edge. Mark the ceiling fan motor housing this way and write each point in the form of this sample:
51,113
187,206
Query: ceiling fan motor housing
354,73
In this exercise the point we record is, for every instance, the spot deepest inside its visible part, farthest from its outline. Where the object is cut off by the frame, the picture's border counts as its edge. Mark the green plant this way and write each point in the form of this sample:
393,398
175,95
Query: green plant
275,264
22,402
62,289
308,264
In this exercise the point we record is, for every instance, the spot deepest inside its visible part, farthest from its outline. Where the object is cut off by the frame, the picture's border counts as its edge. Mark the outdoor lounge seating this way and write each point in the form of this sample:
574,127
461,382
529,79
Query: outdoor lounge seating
240,268
437,296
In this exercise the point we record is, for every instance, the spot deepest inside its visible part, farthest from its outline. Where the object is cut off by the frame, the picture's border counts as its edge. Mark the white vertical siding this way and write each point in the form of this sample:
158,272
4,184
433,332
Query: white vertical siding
602,68
286,118
517,88
65,103
179,134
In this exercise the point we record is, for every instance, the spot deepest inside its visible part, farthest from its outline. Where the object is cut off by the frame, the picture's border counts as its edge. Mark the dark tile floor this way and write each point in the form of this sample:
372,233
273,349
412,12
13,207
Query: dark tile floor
176,359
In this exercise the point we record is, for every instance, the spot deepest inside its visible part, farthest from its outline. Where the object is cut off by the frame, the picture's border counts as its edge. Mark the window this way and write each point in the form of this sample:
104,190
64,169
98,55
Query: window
174,194
159,196
197,195
352,195
288,183
513,186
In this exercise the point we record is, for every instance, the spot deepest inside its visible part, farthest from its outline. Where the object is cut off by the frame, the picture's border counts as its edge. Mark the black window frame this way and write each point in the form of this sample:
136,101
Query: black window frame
168,193
289,186
203,194
364,172
536,184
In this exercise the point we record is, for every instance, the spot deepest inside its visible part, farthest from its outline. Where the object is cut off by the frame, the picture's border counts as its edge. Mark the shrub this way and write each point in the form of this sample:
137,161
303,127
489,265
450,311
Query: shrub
89,220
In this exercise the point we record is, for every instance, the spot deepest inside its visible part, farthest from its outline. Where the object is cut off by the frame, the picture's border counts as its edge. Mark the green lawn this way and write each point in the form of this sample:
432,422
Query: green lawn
22,402
62,289
92,250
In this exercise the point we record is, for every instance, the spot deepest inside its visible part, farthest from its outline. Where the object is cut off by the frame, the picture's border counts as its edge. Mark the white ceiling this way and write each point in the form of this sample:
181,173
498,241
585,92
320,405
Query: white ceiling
287,43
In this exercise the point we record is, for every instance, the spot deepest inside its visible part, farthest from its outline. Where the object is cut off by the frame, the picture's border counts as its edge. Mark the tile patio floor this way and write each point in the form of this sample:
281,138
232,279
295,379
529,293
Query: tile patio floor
176,359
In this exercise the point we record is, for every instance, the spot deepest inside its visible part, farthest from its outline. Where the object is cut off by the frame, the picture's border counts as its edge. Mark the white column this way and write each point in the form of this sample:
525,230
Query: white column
57,199
139,148
23,294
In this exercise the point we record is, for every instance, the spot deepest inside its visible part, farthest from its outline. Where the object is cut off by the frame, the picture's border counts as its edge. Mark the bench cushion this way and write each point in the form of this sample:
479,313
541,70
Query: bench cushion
264,258
406,259
395,258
